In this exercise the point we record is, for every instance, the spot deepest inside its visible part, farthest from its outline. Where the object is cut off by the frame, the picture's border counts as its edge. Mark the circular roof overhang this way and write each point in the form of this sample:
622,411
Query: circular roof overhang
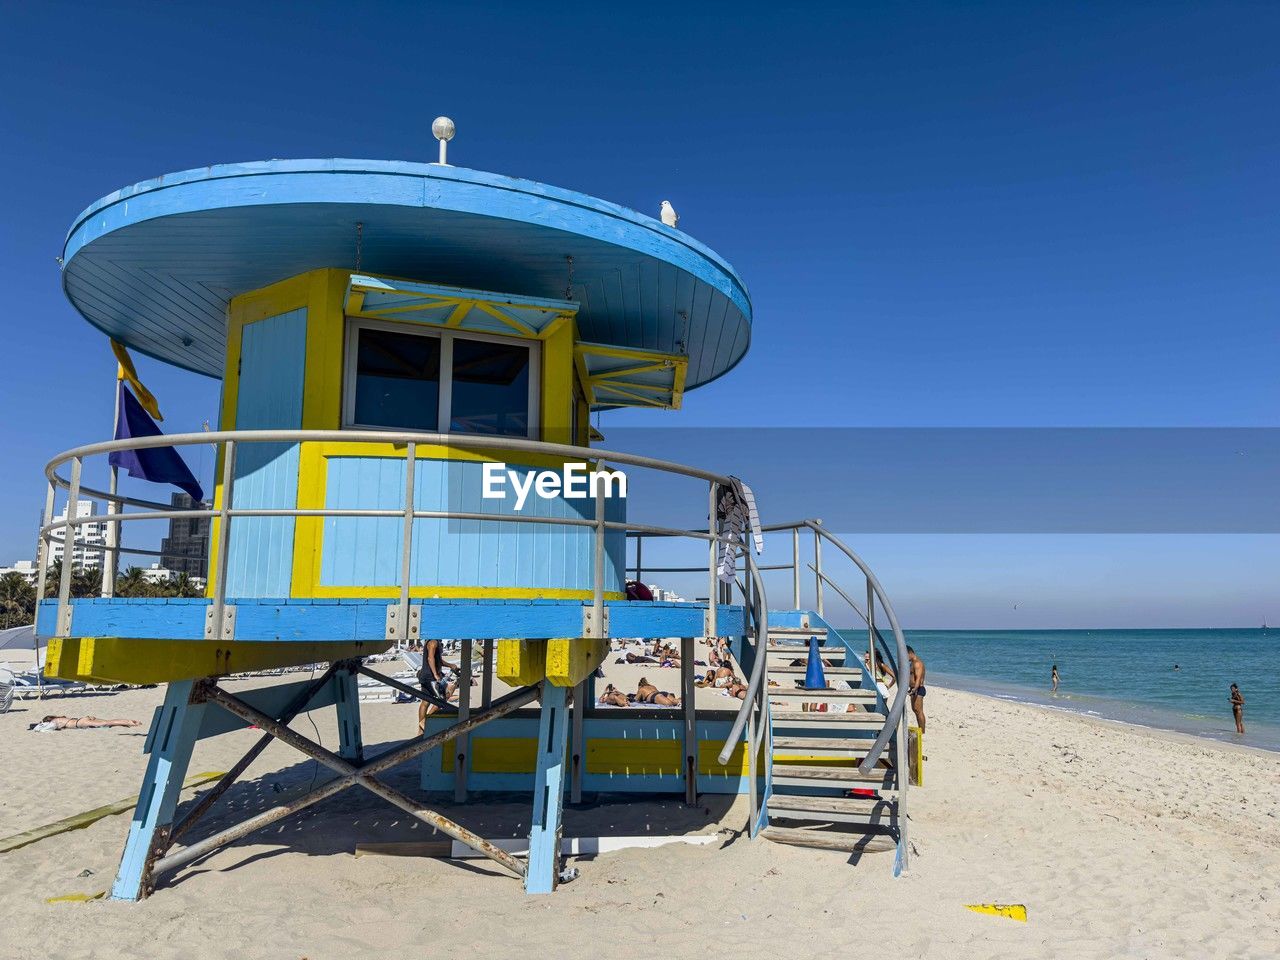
154,265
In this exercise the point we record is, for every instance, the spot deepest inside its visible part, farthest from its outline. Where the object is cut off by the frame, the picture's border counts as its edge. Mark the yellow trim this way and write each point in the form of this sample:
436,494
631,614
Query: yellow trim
572,660
634,758
135,660
308,536
643,361
521,663
496,755
323,294
610,756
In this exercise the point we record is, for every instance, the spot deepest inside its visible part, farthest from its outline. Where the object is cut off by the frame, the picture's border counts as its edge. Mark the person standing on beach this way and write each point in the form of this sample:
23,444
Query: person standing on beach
915,686
1237,707
1054,677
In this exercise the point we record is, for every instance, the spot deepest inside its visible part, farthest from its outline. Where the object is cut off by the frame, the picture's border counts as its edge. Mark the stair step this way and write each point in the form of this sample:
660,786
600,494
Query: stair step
865,811
790,775
863,719
837,671
826,840
826,693
805,632
837,746
799,650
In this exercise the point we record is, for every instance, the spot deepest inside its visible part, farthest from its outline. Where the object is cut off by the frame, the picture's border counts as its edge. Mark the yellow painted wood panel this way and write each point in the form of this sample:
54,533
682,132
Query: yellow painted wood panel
521,662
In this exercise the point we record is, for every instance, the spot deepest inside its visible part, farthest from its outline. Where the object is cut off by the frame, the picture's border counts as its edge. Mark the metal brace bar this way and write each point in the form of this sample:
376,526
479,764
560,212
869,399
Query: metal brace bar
387,760
590,630
228,623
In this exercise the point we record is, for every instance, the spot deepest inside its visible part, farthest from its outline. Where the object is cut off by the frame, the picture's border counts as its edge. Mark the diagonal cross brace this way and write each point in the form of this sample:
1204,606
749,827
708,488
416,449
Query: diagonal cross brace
349,775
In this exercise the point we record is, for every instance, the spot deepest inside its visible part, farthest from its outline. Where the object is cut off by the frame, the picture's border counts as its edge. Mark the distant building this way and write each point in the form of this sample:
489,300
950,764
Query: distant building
24,568
158,574
186,548
664,595
91,538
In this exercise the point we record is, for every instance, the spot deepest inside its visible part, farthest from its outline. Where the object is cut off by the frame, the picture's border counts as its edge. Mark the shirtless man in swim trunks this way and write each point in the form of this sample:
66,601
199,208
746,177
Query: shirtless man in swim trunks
646,692
434,681
915,686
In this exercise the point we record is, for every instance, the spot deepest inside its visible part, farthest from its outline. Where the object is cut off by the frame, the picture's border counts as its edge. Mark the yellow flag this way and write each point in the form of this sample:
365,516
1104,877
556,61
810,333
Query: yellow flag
127,373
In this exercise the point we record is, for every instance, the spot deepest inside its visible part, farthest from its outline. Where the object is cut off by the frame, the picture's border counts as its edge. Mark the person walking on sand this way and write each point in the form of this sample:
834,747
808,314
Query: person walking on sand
1237,707
915,686
1055,678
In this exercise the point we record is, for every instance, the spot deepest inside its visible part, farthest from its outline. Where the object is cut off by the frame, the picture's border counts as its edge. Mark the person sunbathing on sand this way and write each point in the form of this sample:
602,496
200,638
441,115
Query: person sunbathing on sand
52,722
614,697
646,692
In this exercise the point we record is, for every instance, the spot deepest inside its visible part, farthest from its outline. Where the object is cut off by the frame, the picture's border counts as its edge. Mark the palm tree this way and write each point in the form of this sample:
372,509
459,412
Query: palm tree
183,586
131,583
17,600
86,583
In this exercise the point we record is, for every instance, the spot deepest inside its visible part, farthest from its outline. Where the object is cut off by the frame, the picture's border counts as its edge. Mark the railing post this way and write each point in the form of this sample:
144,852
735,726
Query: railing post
795,568
462,744
640,559
111,554
597,567
871,632
486,674
69,550
713,582
224,539
406,545
817,567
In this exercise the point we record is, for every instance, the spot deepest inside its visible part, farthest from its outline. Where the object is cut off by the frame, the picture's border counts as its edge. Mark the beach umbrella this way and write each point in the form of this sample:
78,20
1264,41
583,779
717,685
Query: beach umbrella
814,678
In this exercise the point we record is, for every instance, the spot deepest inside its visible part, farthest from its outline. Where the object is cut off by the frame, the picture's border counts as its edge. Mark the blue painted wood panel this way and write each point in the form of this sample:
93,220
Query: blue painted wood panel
366,551
359,619
155,263
272,364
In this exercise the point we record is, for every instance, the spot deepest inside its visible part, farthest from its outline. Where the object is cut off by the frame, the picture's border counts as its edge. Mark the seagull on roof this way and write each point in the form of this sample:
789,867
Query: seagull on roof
669,215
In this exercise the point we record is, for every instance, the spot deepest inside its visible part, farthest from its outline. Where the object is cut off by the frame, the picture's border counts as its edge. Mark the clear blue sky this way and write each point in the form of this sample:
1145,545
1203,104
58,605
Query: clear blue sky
953,215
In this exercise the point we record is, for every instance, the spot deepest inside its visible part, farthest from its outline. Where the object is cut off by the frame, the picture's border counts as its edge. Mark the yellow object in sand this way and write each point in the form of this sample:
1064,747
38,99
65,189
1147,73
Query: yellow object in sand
77,897
1013,911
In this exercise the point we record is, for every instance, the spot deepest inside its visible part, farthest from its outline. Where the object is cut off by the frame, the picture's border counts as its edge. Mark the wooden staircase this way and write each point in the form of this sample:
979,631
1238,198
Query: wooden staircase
816,753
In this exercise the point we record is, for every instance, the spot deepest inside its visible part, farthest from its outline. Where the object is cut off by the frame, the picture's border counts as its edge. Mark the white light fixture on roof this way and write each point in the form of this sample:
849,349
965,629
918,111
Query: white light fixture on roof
443,130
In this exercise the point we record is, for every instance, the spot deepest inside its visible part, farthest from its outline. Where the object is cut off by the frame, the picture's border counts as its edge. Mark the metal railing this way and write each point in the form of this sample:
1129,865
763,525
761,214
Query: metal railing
225,512
879,650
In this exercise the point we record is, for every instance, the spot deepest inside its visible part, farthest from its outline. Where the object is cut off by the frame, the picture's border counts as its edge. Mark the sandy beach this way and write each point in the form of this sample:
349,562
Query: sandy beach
1121,842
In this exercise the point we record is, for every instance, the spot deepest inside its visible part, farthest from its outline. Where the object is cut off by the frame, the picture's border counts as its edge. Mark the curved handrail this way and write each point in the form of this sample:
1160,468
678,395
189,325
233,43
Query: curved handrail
462,441
900,688
881,644
761,617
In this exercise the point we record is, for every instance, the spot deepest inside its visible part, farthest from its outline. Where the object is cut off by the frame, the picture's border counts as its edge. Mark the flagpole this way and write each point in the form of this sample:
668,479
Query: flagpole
113,529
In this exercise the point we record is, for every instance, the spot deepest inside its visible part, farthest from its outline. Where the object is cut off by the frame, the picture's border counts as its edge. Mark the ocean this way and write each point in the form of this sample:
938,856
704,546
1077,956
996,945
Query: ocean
1126,675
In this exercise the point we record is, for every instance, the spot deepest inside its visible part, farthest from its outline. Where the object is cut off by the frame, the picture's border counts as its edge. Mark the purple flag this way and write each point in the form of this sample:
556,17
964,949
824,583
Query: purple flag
157,464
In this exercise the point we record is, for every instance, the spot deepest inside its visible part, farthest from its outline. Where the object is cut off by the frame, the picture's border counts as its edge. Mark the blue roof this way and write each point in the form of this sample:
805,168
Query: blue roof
155,264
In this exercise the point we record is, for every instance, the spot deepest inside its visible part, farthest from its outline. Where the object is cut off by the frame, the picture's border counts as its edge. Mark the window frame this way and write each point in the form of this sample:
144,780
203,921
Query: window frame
351,352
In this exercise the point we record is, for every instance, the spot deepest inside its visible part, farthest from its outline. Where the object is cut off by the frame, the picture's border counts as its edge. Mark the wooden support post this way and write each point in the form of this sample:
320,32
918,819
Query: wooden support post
687,691
172,736
486,675
346,698
462,745
543,871
577,739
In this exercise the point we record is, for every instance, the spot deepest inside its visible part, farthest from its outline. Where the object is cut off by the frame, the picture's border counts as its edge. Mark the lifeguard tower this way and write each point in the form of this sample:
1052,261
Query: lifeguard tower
383,331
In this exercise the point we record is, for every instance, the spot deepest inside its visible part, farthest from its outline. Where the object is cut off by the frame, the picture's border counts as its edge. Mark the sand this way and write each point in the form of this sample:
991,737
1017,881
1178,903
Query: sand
1121,842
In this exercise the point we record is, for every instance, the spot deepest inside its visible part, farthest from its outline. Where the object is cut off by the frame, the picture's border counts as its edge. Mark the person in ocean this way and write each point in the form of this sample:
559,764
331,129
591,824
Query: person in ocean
1237,707
1055,678
915,686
